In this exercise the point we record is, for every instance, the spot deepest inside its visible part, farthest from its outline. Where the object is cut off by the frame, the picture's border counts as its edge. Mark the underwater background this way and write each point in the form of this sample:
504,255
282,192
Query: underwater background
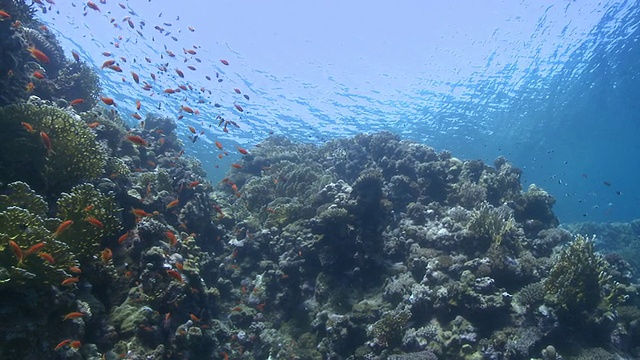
319,180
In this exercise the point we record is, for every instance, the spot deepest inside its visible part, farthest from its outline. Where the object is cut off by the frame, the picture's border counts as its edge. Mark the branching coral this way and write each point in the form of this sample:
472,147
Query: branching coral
579,282
492,223
75,155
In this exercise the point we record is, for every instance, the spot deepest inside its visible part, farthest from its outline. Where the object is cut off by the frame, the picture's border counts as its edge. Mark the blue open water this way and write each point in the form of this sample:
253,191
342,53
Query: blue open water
553,86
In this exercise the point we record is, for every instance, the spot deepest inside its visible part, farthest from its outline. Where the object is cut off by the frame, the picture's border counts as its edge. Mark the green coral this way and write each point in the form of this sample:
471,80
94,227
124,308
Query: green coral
82,203
492,223
22,220
579,282
76,156
389,330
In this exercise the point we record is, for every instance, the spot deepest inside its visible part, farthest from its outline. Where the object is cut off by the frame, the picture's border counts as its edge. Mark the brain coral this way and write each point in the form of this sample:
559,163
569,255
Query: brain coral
75,155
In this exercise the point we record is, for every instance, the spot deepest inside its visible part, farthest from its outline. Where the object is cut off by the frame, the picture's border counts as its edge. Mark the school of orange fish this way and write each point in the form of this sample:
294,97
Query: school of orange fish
153,85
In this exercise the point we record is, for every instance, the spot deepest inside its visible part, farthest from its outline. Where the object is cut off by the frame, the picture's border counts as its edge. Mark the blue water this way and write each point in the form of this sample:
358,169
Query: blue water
553,86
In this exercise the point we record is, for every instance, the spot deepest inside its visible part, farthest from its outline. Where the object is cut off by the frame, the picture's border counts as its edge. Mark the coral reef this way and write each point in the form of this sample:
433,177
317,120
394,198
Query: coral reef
59,153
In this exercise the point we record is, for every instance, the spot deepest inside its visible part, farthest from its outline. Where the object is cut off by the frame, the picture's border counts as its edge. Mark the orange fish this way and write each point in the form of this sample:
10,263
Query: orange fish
138,104
93,125
193,184
115,68
174,203
73,315
242,151
70,281
106,255
27,126
137,140
218,145
62,227
224,62
136,78
38,55
174,274
169,91
108,100
95,222
30,86
93,6
75,344
180,73
4,15
238,107
76,56
38,75
35,248
16,251
192,129
139,212
237,166
76,102
194,318
122,238
75,269
62,344
187,109
47,257
107,63
172,238
136,116
46,142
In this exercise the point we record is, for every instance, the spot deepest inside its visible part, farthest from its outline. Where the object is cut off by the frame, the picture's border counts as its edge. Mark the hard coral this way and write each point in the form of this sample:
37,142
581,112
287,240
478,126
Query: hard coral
75,155
22,220
81,205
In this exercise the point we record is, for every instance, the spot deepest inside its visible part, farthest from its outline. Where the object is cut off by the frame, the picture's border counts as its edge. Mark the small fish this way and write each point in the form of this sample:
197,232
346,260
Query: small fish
138,104
192,129
76,56
137,140
224,62
73,315
95,222
106,255
135,77
107,63
47,257
193,184
237,90
172,238
140,212
35,248
236,166
70,281
136,116
238,107
46,142
38,75
180,73
62,344
62,227
173,203
174,274
27,126
108,100
93,125
76,102
606,183
218,145
16,251
38,55
4,15
242,151
75,269
93,6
